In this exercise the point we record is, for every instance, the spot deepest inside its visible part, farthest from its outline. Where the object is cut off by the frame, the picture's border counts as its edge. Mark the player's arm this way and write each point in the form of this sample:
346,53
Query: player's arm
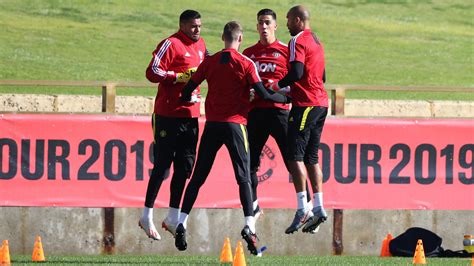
158,68
268,94
193,83
294,74
188,90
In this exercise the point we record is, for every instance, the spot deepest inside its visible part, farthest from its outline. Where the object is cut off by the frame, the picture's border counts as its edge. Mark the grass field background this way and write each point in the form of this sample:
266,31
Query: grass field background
373,42
214,260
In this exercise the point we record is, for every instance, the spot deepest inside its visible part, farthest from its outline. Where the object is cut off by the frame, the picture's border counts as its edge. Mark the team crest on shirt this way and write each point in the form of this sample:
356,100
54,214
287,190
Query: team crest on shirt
276,54
163,133
267,163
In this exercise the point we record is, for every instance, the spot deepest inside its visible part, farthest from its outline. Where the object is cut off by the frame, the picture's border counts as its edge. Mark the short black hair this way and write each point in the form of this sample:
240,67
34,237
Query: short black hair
265,12
188,15
232,30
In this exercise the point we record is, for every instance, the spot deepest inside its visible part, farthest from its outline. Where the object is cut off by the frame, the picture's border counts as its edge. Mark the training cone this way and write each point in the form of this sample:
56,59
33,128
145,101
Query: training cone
385,250
226,253
5,253
38,253
419,257
239,259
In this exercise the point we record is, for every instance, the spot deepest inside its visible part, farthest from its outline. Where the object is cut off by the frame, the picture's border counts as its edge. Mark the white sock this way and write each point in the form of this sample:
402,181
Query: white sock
318,199
301,199
173,215
255,204
250,221
147,214
183,219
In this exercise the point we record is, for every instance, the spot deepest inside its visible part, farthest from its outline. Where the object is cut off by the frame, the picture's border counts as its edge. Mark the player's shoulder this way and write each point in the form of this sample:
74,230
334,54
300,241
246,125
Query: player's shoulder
281,44
245,59
297,37
176,38
249,50
281,47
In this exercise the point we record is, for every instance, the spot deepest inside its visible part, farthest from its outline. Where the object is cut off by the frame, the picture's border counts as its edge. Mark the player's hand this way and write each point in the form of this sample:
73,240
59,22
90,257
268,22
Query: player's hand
185,98
252,95
185,76
284,90
195,97
273,86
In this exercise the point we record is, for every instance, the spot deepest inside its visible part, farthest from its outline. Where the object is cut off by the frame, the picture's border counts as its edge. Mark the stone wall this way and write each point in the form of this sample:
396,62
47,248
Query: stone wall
144,105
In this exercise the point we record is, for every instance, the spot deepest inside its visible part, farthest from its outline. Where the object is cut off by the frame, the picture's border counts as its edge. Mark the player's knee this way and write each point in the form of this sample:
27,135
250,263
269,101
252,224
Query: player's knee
244,181
254,180
160,173
182,173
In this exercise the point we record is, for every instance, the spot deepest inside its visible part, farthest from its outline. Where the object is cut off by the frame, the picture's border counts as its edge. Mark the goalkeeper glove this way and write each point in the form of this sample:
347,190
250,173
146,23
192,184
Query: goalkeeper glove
185,76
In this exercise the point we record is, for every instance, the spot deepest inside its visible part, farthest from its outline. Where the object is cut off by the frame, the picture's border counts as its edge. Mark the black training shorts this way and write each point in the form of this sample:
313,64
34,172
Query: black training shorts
305,125
175,142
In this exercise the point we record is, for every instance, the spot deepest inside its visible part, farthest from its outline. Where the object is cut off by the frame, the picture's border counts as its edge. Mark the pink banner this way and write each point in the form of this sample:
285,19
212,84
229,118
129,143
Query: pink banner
104,161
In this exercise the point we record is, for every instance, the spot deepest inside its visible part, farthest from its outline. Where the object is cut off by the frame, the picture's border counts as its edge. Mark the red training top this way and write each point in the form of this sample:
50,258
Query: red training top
176,54
306,48
229,76
272,65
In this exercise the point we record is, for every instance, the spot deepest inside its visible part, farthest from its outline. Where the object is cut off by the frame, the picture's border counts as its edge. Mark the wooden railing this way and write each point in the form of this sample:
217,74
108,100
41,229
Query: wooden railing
337,92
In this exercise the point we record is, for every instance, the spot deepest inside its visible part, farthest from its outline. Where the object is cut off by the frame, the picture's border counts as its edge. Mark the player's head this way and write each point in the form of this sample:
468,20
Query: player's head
232,32
190,24
297,19
266,25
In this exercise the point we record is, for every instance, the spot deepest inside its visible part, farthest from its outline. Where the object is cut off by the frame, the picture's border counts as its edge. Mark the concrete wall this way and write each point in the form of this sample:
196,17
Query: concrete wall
82,230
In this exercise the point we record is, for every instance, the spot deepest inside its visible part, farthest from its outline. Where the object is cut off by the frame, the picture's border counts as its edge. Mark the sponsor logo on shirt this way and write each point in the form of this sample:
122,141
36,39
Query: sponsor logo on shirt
265,67
187,54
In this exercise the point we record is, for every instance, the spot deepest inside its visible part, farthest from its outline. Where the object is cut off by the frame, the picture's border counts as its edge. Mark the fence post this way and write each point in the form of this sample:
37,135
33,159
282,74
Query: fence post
338,96
108,106
108,98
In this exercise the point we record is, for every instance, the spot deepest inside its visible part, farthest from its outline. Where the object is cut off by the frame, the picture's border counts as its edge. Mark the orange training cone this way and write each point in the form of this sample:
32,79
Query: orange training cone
5,253
419,257
38,253
239,259
385,251
226,253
